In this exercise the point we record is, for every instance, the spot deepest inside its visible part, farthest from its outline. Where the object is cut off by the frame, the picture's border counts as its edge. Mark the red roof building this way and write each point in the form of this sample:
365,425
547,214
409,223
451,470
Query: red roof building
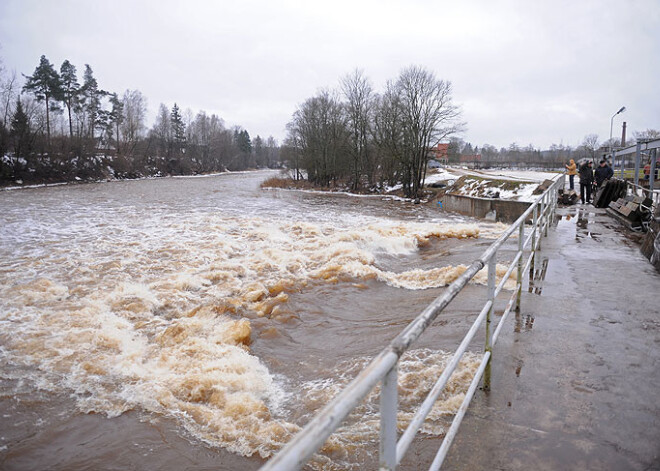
439,152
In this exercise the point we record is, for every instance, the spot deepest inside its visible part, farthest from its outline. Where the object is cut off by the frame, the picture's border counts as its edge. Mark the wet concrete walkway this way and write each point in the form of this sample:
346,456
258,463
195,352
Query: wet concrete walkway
576,375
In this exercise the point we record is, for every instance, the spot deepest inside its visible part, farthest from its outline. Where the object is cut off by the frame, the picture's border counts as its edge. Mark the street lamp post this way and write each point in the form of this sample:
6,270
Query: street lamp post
623,108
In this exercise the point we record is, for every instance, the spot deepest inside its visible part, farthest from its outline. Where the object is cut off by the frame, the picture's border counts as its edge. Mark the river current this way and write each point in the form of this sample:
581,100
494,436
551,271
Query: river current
228,312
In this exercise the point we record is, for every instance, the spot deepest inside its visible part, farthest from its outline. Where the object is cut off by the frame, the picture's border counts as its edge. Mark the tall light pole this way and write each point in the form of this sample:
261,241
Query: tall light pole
623,108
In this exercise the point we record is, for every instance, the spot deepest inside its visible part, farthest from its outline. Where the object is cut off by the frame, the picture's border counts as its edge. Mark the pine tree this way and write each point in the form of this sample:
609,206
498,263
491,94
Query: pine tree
115,117
20,131
45,85
178,128
70,89
91,100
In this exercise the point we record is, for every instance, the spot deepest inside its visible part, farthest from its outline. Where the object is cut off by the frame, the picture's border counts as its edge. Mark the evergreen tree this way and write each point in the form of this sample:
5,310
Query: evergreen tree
91,97
260,152
178,128
20,131
243,141
70,89
115,118
45,85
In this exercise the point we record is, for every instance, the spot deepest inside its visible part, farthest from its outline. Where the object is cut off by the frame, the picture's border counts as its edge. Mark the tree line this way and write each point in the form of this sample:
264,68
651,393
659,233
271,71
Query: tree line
364,139
591,148
57,127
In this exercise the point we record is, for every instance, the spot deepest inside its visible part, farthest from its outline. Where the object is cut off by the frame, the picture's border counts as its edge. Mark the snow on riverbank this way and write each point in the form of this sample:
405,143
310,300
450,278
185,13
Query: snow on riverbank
527,175
439,176
479,187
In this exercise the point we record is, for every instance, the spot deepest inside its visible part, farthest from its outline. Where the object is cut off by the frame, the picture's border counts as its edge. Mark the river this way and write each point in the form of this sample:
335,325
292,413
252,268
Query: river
198,323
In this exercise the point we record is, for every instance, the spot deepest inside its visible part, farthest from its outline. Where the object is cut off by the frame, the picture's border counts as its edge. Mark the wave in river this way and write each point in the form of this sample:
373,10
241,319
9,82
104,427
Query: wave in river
163,324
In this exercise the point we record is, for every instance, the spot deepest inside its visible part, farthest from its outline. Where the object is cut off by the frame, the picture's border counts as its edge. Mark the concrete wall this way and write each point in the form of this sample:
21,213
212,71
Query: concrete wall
505,210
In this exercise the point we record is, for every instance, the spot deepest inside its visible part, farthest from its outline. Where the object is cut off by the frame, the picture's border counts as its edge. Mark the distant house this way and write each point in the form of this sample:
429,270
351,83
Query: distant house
440,153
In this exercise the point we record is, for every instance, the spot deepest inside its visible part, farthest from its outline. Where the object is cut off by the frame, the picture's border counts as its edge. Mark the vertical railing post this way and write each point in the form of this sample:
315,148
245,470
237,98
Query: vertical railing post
541,216
388,412
638,156
548,215
554,203
521,249
555,196
535,221
492,276
654,155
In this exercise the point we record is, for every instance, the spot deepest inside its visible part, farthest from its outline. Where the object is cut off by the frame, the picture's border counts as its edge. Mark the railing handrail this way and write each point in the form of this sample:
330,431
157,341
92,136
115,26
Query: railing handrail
383,367
653,194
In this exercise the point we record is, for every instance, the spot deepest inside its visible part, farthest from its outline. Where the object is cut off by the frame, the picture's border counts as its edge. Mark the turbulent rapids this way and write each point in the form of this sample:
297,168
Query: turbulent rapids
139,296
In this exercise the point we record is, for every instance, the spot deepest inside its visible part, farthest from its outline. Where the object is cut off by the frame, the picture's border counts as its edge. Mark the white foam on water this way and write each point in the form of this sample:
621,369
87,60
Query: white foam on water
418,370
152,312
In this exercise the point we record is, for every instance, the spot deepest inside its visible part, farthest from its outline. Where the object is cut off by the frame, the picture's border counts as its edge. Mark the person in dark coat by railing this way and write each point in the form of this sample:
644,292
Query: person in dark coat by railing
586,180
603,172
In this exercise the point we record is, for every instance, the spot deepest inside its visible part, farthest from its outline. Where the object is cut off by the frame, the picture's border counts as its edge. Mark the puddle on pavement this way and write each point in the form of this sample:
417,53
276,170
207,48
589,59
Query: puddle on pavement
537,273
584,218
523,323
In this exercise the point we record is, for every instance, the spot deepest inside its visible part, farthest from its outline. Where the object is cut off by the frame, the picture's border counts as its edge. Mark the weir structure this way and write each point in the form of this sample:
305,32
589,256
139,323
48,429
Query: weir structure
383,368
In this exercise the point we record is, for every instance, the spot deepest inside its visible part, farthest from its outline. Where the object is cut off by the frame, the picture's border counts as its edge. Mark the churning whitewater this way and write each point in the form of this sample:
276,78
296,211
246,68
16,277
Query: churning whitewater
145,296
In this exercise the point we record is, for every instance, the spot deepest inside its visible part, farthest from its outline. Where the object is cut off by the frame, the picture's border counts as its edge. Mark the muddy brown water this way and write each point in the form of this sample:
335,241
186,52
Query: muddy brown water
198,323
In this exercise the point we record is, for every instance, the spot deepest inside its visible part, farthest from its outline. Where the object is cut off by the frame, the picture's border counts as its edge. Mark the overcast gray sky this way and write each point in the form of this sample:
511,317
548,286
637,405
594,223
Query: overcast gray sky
531,71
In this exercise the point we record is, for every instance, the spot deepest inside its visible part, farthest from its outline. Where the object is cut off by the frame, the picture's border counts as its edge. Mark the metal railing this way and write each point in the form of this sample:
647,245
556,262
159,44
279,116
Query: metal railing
648,149
638,190
383,368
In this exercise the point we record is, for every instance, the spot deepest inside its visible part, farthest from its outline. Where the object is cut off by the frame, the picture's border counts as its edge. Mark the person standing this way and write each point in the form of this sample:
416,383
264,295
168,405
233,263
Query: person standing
602,173
572,171
586,180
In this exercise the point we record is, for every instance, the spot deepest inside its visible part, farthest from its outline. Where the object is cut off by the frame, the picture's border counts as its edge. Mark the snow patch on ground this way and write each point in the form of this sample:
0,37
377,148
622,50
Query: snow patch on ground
439,176
524,175
480,188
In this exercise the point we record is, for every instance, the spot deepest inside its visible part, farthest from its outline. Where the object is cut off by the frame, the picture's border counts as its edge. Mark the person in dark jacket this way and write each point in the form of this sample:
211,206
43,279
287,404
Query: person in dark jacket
603,172
586,180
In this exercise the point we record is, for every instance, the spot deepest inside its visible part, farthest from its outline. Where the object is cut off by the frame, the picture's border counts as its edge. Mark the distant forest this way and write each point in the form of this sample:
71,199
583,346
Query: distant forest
55,128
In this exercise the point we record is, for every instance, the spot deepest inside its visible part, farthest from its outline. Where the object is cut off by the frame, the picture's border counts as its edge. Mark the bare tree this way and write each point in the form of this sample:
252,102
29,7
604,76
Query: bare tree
387,130
590,144
359,96
135,112
429,116
318,130
8,94
647,134
272,152
162,131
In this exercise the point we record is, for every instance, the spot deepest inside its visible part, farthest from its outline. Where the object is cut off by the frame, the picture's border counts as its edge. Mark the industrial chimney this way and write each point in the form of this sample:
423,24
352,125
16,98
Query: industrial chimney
623,135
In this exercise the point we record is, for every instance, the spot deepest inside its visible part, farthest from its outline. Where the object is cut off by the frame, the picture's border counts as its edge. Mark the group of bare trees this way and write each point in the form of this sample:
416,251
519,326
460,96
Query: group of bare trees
366,139
52,127
555,156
